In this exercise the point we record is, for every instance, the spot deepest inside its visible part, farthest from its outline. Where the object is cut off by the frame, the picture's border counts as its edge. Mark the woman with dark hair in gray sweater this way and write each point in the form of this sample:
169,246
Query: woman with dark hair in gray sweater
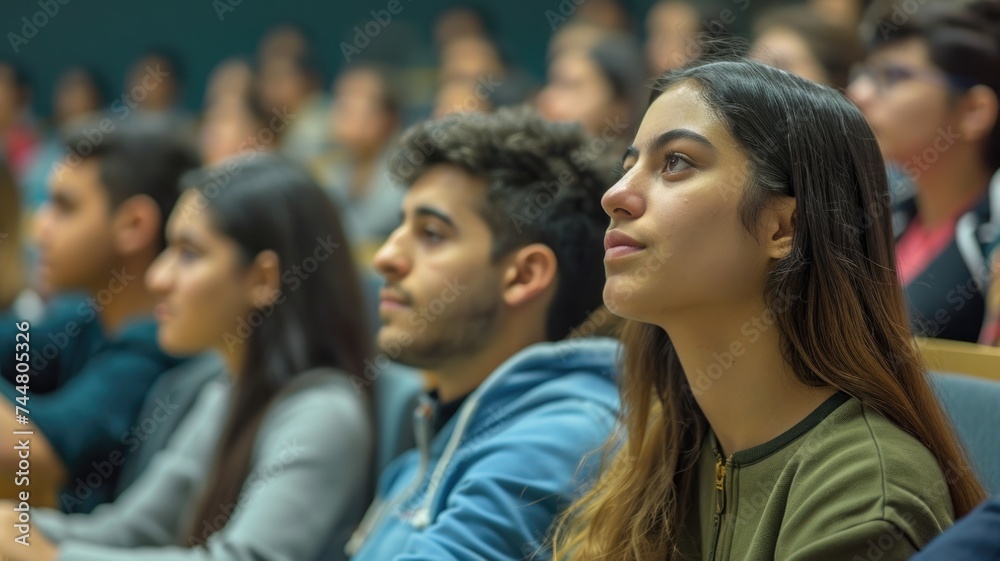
274,464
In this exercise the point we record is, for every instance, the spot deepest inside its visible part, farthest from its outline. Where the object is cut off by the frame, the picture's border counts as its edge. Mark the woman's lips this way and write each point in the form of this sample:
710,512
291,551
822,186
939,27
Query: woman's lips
619,244
389,300
161,312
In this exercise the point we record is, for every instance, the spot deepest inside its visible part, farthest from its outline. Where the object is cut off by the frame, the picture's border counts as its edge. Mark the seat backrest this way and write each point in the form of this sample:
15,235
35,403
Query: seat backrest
959,357
974,407
396,390
168,401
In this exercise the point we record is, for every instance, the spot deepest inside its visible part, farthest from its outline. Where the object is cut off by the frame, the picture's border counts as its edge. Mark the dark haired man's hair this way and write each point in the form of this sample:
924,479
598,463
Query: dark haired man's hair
135,163
544,185
963,40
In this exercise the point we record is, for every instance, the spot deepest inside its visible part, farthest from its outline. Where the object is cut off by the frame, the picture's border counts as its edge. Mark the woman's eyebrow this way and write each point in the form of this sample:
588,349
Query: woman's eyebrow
665,138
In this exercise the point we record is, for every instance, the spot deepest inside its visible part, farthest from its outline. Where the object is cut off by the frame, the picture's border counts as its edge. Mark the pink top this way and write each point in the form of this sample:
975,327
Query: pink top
918,247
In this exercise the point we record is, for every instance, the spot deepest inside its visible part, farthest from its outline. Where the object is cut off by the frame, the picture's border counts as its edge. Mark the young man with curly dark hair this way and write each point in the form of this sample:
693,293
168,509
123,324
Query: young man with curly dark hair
498,260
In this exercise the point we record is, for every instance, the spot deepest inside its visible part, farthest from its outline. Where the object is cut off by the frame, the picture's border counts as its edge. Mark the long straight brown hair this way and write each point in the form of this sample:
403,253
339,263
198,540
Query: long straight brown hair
272,204
809,142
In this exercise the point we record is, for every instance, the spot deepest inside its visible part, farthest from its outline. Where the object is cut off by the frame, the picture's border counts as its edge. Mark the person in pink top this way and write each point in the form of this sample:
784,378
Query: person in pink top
929,88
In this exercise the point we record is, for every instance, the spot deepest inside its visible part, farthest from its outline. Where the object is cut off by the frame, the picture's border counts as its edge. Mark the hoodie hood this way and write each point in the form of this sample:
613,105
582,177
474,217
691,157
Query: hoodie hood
571,370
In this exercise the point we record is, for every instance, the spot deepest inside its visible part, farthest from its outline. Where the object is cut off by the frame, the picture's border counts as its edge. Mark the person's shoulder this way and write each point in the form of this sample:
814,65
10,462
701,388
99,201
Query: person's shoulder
319,387
911,473
857,439
859,457
323,398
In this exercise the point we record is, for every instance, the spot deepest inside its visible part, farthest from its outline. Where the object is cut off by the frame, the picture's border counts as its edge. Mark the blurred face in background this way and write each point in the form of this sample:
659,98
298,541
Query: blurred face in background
460,97
468,58
283,84
199,282
230,128
608,14
231,78
904,97
75,96
783,48
577,92
845,13
442,297
74,229
672,29
456,23
359,118
283,41
152,83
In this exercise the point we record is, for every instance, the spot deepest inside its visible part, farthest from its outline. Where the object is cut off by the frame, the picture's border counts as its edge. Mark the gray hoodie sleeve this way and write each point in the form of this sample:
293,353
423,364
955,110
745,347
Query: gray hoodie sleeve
309,473
149,512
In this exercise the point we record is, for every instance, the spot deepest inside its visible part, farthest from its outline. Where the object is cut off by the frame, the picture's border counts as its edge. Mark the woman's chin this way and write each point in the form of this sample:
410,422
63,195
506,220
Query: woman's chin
623,300
170,343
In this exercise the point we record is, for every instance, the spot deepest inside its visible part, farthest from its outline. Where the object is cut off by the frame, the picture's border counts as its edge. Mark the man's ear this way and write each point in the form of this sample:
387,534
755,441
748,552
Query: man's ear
980,116
264,279
138,224
530,272
779,227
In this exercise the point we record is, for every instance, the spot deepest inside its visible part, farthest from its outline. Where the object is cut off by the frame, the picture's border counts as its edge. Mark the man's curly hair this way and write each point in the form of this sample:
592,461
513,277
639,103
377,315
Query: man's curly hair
544,185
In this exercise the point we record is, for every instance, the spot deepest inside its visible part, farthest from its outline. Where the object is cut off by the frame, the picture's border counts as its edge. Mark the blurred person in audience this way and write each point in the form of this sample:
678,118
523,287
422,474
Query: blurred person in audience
92,360
363,120
77,99
284,40
152,96
610,15
575,35
475,63
672,29
798,40
484,280
275,464
17,301
929,87
598,88
460,21
236,124
470,57
775,405
18,137
845,14
484,96
461,97
288,86
231,78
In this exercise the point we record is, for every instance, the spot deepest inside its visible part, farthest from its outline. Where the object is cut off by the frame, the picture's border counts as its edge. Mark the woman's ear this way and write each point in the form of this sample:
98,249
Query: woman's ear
779,222
264,279
532,270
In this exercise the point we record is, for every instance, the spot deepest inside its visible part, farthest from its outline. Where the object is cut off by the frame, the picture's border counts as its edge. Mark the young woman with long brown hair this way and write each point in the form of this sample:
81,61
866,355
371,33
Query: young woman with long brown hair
774,404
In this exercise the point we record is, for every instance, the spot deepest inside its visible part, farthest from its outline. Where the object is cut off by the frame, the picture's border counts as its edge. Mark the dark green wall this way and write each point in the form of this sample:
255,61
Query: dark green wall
109,34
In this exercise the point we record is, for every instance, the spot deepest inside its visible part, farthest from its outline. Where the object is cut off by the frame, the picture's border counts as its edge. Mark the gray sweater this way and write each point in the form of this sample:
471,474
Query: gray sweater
305,493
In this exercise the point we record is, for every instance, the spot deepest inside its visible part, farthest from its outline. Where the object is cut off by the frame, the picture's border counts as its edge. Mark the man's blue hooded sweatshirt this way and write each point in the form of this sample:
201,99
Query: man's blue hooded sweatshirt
516,453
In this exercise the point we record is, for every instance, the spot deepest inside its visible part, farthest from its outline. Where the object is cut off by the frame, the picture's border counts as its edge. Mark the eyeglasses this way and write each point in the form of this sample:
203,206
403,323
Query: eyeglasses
885,76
